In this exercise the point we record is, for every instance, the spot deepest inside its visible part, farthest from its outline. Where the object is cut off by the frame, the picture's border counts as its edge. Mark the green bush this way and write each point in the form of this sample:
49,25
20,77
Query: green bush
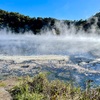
40,88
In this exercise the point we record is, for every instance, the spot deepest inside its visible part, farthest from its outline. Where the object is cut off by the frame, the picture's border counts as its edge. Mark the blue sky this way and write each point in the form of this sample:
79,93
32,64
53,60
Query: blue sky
60,9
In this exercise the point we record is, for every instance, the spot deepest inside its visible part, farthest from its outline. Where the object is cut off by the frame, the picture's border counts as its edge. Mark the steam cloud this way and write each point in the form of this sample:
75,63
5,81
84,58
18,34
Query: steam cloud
68,43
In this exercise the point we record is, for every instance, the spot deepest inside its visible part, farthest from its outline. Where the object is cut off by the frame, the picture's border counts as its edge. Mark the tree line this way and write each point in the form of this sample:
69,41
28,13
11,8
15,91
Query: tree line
18,23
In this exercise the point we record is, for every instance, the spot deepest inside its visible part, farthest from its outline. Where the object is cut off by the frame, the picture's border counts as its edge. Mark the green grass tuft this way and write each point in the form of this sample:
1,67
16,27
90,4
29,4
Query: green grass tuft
2,84
40,88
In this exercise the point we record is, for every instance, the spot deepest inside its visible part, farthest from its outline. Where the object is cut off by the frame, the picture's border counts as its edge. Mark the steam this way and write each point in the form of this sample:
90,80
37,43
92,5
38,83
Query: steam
69,42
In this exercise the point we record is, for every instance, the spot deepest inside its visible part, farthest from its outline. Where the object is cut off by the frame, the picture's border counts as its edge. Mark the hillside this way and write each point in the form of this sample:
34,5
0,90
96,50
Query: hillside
18,23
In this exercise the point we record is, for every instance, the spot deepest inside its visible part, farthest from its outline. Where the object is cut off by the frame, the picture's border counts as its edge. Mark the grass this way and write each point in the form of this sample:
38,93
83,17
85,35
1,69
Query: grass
2,84
40,88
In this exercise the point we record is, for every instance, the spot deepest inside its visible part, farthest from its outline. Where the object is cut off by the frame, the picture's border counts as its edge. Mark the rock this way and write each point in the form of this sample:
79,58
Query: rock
4,95
25,66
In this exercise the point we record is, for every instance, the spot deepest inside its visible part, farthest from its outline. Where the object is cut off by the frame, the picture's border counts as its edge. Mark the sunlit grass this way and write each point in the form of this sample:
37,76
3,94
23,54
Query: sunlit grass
2,84
40,88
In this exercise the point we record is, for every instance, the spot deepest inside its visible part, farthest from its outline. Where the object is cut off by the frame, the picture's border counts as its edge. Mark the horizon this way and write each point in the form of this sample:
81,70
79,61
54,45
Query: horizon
62,9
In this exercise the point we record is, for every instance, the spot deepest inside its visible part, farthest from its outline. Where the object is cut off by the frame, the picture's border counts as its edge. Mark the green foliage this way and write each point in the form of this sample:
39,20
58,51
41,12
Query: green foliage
39,88
18,23
2,84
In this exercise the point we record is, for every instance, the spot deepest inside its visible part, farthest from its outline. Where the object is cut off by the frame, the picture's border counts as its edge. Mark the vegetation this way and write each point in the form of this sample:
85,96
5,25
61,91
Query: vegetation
40,88
18,23
2,84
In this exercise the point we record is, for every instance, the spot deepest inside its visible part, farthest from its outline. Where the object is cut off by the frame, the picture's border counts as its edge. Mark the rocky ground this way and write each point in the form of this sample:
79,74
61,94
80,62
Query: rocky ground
78,69
5,85
62,67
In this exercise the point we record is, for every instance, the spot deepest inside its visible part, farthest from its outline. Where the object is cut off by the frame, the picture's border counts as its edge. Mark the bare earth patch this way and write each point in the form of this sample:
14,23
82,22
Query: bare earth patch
7,84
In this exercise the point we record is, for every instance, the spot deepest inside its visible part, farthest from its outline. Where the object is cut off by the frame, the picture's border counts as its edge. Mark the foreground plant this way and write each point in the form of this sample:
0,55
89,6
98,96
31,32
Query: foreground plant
40,88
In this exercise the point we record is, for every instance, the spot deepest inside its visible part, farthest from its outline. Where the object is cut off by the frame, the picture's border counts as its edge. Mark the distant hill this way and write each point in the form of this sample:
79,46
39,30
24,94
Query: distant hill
18,23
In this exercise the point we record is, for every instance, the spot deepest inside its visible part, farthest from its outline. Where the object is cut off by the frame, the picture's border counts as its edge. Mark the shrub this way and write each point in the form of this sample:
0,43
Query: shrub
40,88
